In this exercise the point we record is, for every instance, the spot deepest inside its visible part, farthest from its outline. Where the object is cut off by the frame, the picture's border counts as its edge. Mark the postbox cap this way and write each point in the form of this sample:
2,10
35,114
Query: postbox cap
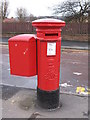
22,37
48,22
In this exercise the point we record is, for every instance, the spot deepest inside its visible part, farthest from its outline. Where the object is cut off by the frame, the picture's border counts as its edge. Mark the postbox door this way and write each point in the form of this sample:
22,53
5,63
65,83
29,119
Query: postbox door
48,65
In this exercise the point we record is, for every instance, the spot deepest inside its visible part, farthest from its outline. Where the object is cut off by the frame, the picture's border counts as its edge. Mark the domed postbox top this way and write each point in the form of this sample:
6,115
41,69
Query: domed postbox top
48,28
48,22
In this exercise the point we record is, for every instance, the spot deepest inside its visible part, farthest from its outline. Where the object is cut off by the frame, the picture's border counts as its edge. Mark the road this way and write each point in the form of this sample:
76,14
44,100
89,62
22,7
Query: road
64,44
73,73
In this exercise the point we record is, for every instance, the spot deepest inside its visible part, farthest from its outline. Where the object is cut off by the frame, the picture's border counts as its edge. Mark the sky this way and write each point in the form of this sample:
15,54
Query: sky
35,7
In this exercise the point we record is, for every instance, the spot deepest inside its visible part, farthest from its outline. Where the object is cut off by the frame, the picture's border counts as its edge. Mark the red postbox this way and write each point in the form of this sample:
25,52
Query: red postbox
48,49
22,54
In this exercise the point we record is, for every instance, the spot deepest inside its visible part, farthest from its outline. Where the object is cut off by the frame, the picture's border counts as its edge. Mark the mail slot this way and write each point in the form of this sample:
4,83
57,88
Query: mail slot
22,55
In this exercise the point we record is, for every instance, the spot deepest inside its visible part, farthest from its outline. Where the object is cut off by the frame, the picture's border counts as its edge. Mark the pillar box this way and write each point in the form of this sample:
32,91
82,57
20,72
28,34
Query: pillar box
48,49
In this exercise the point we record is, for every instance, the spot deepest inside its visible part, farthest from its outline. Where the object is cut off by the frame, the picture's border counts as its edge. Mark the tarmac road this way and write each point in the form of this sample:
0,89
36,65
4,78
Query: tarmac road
64,43
74,71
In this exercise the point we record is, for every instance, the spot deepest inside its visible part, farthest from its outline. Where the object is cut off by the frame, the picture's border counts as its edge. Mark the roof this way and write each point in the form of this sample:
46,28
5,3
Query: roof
9,20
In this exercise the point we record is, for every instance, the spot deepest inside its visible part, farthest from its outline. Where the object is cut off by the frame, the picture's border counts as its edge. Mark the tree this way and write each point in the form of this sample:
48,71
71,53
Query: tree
73,9
32,17
4,11
21,14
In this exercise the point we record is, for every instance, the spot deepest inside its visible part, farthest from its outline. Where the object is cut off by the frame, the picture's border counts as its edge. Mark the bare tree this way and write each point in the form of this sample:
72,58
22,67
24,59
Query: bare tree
32,17
76,9
21,14
4,11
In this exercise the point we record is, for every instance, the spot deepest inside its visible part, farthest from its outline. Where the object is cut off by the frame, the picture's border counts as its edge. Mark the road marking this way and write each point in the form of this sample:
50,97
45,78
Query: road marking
76,62
7,84
77,73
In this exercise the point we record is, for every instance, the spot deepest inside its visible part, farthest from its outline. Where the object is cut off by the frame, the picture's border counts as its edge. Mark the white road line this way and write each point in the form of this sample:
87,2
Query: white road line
77,73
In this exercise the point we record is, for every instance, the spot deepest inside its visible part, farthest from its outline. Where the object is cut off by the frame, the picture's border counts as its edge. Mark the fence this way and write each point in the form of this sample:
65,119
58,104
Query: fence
72,31
17,27
75,28
26,27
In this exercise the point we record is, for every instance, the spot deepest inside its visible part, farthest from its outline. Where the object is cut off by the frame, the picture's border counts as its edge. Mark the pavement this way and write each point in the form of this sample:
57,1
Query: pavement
19,93
23,104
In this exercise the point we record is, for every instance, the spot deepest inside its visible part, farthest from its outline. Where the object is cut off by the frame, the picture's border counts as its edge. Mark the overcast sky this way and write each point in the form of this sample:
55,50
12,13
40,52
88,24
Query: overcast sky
35,7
